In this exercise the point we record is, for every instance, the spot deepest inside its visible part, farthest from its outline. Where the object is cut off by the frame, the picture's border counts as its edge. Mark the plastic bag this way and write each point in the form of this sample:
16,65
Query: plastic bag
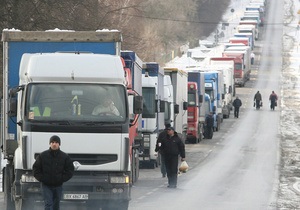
183,166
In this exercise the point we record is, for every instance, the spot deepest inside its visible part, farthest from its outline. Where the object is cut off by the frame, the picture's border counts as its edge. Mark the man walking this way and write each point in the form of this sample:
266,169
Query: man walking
52,168
172,147
273,99
209,124
257,100
162,135
237,103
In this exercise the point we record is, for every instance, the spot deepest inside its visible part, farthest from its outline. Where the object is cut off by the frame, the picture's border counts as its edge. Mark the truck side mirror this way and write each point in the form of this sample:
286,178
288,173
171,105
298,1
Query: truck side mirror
185,105
12,109
162,107
230,89
201,99
176,108
138,105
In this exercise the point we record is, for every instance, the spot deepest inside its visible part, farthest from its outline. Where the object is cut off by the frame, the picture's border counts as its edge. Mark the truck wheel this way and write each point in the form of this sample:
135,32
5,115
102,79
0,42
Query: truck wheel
8,204
94,205
21,204
122,205
114,205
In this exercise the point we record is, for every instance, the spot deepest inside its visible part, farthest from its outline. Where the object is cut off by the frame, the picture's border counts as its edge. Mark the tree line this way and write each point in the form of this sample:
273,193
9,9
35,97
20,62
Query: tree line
152,28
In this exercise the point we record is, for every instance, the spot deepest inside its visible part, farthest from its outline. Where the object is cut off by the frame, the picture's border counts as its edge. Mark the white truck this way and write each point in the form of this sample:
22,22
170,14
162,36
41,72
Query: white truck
179,79
153,112
50,89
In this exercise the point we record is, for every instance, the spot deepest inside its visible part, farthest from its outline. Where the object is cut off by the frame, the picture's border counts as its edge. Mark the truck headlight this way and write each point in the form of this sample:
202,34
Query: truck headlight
28,178
119,179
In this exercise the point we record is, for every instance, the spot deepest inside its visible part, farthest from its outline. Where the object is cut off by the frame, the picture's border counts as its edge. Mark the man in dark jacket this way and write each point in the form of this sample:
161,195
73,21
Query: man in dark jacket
162,135
237,103
172,147
257,100
273,100
52,168
209,124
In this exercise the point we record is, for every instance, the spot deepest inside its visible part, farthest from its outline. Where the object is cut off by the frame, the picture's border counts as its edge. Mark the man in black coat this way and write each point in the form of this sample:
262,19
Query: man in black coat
162,135
172,147
52,168
237,103
209,126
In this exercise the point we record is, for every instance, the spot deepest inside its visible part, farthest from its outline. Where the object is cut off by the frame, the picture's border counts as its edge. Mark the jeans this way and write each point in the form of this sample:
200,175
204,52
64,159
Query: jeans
52,196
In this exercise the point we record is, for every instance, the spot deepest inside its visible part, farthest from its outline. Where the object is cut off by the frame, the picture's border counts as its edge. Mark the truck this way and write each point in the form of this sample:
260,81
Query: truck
240,40
226,65
243,53
133,70
169,101
179,80
240,74
50,89
249,35
196,107
248,29
153,111
215,89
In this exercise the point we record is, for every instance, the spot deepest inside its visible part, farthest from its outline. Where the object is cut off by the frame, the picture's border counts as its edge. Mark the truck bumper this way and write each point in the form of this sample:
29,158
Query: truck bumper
91,186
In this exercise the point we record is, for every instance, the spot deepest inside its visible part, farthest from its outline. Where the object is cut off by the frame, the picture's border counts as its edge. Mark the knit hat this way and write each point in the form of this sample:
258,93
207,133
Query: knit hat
170,128
54,139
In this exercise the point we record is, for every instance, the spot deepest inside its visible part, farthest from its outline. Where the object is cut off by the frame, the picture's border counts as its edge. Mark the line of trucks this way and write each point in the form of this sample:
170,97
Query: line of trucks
53,79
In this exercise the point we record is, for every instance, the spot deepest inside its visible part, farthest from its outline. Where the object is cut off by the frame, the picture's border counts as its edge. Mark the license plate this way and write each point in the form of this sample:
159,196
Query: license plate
76,196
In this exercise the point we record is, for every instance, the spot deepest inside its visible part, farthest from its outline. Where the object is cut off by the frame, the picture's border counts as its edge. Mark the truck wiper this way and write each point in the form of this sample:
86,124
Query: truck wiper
58,122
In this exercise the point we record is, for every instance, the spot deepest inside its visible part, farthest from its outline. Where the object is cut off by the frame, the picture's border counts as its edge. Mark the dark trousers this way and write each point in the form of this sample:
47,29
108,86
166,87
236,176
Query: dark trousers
208,132
172,169
163,165
52,196
236,111
257,104
272,105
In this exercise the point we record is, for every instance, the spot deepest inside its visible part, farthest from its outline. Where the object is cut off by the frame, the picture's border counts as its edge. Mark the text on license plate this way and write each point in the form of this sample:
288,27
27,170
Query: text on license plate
76,196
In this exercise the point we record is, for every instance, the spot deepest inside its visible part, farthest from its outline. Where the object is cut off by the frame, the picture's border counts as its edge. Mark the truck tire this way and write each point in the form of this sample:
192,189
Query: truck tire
134,166
21,204
8,203
114,205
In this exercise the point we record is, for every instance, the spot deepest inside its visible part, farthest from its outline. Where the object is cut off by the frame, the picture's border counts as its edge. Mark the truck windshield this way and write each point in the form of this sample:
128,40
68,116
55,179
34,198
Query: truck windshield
192,99
75,102
149,102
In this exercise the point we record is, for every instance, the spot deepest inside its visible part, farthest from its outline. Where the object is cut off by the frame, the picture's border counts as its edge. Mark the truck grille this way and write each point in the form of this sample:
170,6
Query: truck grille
93,159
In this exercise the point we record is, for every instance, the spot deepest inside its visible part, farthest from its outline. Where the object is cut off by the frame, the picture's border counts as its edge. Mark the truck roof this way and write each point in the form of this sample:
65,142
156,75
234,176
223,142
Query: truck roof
175,70
71,67
61,36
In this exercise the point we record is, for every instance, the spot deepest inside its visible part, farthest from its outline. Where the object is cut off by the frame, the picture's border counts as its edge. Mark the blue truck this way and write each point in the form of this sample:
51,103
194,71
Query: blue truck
214,89
52,82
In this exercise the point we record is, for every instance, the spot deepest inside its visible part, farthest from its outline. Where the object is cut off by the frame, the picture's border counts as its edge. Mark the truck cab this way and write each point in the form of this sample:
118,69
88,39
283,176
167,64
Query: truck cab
153,111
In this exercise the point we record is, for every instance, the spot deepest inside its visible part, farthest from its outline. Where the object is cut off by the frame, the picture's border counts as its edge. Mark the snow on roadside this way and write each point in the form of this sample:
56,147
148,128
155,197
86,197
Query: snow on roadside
289,186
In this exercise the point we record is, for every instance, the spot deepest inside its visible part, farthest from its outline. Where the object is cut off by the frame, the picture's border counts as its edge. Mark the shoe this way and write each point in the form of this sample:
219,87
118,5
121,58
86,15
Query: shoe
172,186
164,175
